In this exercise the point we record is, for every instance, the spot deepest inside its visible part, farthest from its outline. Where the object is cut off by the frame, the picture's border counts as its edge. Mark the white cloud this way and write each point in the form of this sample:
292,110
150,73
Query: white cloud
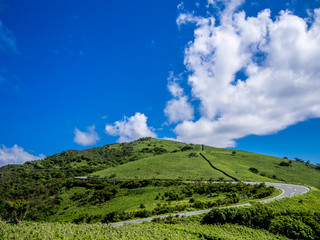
130,129
177,109
16,155
280,60
180,6
90,137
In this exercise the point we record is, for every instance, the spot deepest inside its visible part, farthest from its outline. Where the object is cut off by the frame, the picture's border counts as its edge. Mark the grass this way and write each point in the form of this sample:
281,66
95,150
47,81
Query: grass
309,201
185,228
132,200
126,200
238,165
183,231
165,166
176,164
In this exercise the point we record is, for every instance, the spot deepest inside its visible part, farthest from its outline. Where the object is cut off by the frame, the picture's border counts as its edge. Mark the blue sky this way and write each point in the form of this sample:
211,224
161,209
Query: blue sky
78,74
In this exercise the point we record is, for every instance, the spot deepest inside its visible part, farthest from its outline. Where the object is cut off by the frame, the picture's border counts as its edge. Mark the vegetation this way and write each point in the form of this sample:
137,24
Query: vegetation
190,230
152,177
297,220
109,201
297,225
269,169
166,166
288,219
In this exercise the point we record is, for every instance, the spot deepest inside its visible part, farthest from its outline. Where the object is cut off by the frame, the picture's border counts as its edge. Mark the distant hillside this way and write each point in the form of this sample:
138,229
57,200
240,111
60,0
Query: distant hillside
149,158
178,160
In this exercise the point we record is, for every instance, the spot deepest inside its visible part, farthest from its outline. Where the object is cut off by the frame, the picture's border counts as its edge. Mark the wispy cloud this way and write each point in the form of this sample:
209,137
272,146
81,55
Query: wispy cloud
130,129
16,155
90,137
7,39
279,61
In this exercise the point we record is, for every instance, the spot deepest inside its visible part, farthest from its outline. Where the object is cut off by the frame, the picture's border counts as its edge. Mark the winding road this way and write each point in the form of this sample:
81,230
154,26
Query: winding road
288,190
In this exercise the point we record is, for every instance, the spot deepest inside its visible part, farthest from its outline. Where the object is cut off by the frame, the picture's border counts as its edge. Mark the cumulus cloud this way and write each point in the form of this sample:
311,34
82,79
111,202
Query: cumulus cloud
90,137
130,129
16,155
178,109
252,75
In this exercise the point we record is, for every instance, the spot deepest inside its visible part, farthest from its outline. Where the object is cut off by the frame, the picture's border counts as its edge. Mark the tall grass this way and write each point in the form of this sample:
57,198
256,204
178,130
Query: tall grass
183,231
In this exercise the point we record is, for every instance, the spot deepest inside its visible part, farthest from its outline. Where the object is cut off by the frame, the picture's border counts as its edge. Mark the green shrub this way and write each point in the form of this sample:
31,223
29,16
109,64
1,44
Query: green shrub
290,227
285,164
254,170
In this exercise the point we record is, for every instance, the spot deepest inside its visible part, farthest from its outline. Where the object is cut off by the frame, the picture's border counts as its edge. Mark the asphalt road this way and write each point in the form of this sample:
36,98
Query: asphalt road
288,190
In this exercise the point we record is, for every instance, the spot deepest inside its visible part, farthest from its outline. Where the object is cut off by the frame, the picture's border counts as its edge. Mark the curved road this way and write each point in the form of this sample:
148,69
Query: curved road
288,190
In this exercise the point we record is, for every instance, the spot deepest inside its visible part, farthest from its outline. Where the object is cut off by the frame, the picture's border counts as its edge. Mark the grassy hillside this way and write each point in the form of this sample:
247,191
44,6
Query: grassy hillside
178,165
184,161
149,158
269,168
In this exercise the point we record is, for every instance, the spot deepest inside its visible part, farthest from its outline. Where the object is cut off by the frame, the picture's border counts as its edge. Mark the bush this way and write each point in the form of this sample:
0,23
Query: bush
142,205
186,148
254,170
285,164
255,216
142,213
295,225
291,228
193,154
159,150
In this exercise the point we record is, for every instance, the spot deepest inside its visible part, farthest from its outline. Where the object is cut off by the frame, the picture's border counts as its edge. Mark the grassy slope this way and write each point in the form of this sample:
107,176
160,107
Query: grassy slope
174,165
165,166
126,200
30,230
183,231
239,164
306,202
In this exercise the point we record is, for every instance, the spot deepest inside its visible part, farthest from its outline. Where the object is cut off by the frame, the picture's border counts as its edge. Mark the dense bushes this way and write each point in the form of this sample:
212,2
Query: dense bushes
297,225
44,190
291,227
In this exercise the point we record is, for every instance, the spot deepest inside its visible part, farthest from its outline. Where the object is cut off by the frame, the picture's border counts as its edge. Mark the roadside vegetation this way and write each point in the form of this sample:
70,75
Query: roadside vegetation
110,201
297,219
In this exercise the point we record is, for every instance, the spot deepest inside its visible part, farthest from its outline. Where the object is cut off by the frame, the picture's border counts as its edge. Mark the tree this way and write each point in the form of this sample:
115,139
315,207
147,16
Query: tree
298,160
17,210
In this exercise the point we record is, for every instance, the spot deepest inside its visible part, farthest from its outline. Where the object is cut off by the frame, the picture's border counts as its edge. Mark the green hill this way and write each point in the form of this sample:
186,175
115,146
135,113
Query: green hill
139,179
183,161
149,158
178,165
